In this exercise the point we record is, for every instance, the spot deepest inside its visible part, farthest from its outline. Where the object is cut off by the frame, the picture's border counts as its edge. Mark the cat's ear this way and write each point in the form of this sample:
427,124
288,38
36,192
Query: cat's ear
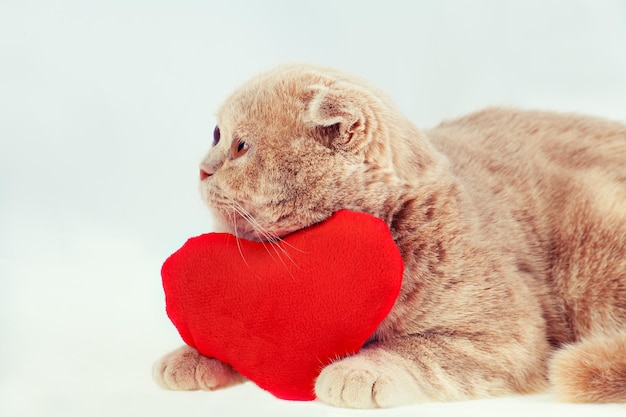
338,117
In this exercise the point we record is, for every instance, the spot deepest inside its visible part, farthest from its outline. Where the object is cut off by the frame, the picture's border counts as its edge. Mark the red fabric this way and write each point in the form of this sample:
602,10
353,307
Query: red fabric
279,315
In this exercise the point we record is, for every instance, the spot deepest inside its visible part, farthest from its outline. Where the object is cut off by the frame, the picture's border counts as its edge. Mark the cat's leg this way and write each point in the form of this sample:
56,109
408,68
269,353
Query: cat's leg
592,370
185,369
433,367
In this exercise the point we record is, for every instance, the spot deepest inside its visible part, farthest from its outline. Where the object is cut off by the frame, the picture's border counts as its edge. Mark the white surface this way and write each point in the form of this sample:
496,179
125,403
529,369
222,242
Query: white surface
106,108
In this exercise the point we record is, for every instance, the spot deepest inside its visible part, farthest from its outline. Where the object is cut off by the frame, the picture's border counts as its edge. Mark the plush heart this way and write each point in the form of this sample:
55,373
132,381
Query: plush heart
278,313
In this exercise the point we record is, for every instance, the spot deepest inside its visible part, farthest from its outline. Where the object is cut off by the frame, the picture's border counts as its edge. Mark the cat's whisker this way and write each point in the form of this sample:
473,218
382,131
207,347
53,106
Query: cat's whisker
262,232
251,221
234,217
275,246
276,238
266,236
278,242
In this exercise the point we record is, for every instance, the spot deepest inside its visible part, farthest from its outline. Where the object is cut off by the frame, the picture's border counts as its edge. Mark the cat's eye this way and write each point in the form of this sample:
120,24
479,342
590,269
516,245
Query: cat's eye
216,135
238,148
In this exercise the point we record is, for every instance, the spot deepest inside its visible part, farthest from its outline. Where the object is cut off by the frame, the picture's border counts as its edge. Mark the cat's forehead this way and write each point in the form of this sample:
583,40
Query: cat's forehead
265,108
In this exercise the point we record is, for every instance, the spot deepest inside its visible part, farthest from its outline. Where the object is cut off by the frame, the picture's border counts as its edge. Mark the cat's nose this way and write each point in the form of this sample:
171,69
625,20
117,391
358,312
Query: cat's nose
205,172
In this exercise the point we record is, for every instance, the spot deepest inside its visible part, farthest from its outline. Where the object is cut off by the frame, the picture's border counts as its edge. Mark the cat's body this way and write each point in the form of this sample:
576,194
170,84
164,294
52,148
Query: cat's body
512,227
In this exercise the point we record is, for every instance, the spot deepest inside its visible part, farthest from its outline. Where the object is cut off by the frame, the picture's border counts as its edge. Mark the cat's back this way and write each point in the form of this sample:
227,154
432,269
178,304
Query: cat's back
533,151
570,141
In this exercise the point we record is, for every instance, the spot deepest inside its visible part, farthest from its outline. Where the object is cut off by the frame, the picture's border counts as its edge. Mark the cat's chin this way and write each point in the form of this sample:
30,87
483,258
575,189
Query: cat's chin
241,233
271,236
248,233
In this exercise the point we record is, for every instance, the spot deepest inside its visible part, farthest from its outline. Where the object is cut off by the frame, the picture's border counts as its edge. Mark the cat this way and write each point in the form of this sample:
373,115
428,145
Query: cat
511,224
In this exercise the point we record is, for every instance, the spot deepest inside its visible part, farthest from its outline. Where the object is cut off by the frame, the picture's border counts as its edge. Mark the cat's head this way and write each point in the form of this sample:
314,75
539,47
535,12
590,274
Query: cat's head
294,145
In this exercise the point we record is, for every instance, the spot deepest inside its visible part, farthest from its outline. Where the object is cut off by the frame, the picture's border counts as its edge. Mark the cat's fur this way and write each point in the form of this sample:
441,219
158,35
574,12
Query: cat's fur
511,224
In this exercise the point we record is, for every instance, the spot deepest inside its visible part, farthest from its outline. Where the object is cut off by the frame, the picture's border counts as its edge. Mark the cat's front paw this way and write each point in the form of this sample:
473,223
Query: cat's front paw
367,381
185,369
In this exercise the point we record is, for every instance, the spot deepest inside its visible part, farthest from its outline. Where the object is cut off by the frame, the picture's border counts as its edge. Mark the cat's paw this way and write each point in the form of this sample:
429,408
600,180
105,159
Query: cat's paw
185,369
367,381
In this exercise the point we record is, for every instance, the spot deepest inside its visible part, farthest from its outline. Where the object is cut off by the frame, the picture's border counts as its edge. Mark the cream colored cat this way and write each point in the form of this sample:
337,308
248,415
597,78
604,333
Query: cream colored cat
512,226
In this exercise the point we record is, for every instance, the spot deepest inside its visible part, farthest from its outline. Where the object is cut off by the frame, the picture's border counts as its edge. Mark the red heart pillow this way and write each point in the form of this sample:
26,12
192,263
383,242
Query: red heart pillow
278,313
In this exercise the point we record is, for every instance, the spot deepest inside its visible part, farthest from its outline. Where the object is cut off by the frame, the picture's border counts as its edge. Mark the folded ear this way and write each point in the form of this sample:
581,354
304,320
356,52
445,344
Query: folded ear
338,115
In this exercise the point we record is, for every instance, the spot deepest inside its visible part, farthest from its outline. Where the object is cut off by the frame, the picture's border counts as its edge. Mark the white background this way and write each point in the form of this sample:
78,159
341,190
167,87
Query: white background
107,107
